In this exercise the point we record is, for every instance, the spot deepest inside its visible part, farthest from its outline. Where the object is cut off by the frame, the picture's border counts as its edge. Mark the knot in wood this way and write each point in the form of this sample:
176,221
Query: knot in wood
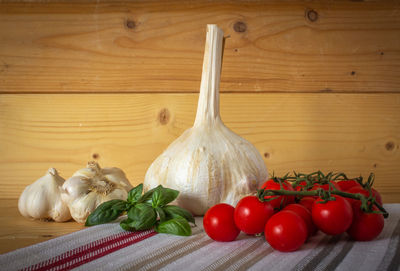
311,15
390,145
163,116
240,27
130,24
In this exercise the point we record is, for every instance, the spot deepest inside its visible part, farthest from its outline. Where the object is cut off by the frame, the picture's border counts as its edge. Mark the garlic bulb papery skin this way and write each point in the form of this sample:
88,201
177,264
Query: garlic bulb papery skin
208,163
91,186
42,199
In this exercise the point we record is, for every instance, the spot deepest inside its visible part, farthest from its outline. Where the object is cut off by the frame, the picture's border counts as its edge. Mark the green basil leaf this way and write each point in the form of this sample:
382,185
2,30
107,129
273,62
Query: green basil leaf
156,198
162,196
135,193
106,212
126,225
173,211
143,216
161,214
176,226
148,195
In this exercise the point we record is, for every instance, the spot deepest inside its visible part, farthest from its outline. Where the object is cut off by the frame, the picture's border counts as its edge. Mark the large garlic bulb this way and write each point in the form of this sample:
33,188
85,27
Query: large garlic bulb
91,186
42,199
208,163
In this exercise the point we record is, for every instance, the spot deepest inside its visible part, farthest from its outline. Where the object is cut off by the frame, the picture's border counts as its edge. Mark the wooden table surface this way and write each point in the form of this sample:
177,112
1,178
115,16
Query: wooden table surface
17,231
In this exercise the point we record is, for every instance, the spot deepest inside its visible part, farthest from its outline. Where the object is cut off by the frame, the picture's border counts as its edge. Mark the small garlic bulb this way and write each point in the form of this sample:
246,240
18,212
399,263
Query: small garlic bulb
42,199
91,186
208,163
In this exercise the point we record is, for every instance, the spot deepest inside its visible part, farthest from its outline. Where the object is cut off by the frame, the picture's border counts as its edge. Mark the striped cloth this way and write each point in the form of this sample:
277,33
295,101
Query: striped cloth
107,247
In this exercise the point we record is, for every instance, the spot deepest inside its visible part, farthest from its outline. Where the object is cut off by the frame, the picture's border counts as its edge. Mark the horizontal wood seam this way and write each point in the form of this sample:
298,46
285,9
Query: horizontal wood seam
196,92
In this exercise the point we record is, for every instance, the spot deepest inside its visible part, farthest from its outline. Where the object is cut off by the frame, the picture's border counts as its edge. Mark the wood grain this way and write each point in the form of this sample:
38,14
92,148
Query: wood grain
16,231
354,133
136,46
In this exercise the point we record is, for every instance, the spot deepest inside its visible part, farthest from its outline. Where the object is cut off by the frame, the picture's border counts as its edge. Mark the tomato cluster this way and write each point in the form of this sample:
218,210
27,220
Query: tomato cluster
290,210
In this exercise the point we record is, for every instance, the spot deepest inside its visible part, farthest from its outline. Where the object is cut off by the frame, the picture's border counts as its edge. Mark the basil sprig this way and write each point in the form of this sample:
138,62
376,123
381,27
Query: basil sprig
146,211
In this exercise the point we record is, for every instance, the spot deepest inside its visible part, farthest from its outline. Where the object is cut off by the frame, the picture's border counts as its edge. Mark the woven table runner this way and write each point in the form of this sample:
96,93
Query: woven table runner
108,247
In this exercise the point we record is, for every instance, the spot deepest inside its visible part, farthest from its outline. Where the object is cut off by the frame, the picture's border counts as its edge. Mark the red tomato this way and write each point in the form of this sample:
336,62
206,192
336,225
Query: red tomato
333,217
365,226
365,192
286,231
284,200
305,214
377,196
307,202
219,223
347,184
251,214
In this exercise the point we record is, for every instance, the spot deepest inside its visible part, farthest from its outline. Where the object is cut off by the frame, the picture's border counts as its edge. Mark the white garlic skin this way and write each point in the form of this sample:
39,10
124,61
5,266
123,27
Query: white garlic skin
208,165
113,174
91,186
42,199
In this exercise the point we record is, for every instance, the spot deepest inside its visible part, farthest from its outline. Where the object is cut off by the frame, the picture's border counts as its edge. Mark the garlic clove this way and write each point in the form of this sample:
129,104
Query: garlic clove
60,212
117,194
42,199
82,207
91,186
76,187
117,176
208,163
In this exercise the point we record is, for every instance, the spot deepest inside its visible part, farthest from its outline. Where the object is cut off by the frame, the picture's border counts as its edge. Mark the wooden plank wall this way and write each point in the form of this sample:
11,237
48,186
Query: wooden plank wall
313,85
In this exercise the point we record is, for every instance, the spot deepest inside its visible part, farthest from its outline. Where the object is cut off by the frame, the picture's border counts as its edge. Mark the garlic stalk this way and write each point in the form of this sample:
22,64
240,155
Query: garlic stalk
42,199
91,186
208,163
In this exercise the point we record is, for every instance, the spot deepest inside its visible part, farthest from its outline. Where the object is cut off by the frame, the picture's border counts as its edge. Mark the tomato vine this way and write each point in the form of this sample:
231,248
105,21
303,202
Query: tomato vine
318,179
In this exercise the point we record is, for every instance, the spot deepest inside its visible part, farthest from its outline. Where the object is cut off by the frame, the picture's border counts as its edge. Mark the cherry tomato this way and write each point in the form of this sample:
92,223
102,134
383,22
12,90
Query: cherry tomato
286,231
365,226
347,184
377,196
333,217
307,202
219,223
251,214
305,214
284,200
365,192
